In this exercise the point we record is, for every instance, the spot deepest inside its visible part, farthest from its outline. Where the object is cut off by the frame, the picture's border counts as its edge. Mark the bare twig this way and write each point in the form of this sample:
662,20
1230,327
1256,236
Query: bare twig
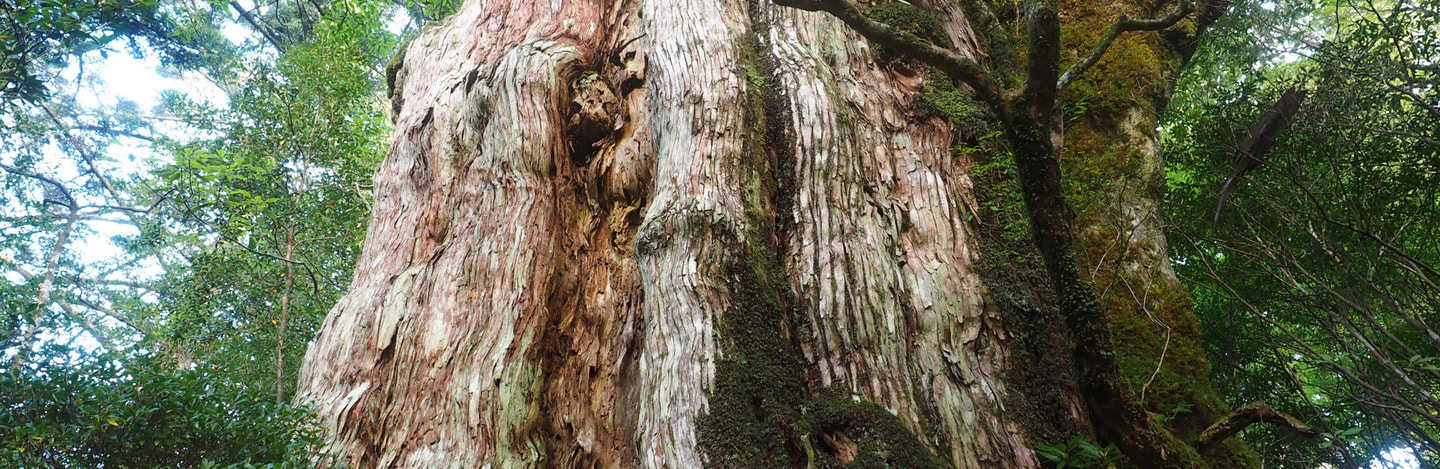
87,325
1159,364
106,310
115,132
84,154
133,210
1306,348
1427,140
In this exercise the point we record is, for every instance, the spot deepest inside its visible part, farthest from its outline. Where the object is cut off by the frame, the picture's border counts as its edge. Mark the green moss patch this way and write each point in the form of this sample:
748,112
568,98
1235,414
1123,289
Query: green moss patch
867,434
759,384
760,374
1017,287
940,98
1135,70
912,20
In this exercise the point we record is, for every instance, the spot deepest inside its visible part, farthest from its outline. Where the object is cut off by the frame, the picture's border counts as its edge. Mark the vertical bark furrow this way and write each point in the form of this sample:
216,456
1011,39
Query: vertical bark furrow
695,216
588,400
880,250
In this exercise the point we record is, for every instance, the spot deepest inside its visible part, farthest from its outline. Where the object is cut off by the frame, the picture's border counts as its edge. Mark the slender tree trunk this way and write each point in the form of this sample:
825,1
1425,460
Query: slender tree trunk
693,232
42,296
284,313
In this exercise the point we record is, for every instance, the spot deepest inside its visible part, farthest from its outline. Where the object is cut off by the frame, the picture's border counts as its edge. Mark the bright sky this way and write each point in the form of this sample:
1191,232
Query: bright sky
128,78
116,77
1397,458
121,76
137,80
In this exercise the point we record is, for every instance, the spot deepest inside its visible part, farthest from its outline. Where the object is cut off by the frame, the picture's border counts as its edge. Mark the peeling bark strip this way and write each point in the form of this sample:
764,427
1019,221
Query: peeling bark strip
1036,137
696,216
589,247
882,248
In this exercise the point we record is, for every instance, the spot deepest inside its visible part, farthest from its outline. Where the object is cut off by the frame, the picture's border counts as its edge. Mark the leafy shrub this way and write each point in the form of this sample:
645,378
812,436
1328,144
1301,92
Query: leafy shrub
1078,452
96,414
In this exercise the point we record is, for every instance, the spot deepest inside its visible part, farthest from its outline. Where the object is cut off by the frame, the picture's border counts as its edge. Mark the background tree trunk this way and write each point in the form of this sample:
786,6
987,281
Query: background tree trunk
693,232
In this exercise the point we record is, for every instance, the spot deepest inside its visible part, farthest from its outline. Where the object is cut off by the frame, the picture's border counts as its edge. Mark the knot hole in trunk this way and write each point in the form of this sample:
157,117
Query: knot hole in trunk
594,116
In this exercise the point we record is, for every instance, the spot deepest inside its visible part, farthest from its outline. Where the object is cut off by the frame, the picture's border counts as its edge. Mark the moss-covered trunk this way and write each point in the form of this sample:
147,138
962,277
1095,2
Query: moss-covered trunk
684,233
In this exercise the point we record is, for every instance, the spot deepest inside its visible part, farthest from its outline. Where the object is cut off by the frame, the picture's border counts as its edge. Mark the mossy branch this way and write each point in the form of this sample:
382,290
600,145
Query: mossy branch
1042,31
1123,25
957,66
1251,414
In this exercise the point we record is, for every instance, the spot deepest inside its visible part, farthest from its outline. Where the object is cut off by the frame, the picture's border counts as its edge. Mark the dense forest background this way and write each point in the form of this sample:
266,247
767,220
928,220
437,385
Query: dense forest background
166,263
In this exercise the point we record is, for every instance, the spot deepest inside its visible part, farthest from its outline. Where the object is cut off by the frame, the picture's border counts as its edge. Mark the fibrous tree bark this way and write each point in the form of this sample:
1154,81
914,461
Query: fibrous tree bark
681,233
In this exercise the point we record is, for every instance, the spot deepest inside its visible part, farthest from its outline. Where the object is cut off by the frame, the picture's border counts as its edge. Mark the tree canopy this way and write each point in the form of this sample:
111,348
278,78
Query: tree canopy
1317,285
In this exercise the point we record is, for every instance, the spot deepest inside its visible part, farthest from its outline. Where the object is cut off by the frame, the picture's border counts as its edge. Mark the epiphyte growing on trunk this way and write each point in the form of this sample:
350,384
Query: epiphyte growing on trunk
1258,141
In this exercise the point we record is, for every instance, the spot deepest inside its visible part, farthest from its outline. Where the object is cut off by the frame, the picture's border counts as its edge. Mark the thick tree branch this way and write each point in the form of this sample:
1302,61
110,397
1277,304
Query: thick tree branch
1124,25
1251,414
954,65
1042,21
245,15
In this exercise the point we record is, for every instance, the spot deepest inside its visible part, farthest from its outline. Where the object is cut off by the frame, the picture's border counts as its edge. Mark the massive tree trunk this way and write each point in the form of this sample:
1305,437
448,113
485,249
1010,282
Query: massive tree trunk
677,233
